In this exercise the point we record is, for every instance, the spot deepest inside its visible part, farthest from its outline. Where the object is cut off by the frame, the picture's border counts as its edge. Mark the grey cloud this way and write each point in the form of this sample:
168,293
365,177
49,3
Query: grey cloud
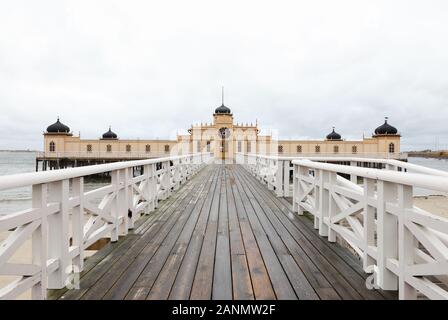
150,69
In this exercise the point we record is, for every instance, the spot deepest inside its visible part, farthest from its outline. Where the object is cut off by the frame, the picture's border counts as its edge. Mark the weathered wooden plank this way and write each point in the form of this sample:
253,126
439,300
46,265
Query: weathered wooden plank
284,250
163,282
222,275
241,280
183,283
280,282
261,283
203,280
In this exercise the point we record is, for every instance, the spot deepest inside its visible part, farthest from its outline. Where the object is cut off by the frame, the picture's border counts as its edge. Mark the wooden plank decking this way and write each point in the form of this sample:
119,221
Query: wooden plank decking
223,235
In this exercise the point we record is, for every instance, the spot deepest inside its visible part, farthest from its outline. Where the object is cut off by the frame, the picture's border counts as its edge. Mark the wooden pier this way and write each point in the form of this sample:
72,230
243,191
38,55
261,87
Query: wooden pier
223,235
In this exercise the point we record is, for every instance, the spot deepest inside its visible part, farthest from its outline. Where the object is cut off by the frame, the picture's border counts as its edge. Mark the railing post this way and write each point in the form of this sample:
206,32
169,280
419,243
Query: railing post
176,176
369,226
149,195
323,203
127,201
295,188
78,223
387,235
332,206
406,243
115,209
353,178
39,242
58,234
286,172
279,179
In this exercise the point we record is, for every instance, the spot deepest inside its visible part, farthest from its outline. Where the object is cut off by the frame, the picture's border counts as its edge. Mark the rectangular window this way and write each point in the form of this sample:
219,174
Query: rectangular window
239,146
249,146
167,148
208,146
299,149
148,148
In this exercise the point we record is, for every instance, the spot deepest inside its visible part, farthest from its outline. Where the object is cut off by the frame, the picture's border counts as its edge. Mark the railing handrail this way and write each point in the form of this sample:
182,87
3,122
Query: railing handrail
393,162
415,179
31,178
349,157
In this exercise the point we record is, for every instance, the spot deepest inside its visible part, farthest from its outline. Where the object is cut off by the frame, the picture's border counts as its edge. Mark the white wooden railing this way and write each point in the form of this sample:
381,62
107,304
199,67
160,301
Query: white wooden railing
405,247
65,219
276,171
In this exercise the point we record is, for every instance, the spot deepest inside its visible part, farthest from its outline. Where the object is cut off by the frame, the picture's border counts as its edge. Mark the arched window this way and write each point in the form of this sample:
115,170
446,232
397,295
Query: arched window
208,146
317,149
391,148
89,148
167,148
299,149
148,148
354,149
336,149
52,146
109,148
128,148
280,149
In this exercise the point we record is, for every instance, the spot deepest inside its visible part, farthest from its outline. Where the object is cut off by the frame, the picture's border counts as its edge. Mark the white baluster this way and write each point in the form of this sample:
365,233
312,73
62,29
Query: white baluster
58,234
39,242
78,223
387,235
407,243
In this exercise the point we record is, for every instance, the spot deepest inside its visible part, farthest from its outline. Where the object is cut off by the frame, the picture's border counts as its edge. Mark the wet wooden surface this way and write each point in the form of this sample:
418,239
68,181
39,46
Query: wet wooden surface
223,235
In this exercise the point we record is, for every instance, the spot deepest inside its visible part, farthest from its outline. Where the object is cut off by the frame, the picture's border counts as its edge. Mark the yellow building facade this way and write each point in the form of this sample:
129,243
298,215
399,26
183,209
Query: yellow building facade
223,137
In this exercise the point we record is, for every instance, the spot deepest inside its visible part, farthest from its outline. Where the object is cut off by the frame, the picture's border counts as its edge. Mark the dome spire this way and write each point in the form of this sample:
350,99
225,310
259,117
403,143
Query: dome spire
333,135
386,129
222,109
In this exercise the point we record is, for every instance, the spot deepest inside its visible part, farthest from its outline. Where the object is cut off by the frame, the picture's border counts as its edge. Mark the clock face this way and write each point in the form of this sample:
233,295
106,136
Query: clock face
224,132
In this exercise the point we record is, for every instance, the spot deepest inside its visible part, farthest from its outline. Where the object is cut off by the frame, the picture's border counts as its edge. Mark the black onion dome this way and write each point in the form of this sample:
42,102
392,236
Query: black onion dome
110,135
223,109
58,127
386,128
334,135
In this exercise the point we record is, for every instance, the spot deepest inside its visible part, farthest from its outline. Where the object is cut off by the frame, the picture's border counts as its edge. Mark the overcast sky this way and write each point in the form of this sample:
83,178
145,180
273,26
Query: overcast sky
152,68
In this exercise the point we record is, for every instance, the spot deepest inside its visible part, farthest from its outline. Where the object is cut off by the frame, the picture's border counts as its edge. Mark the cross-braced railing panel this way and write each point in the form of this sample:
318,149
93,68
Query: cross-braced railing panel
405,247
65,219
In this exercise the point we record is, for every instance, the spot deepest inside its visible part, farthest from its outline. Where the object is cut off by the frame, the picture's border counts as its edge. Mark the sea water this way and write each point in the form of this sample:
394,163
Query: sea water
22,161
